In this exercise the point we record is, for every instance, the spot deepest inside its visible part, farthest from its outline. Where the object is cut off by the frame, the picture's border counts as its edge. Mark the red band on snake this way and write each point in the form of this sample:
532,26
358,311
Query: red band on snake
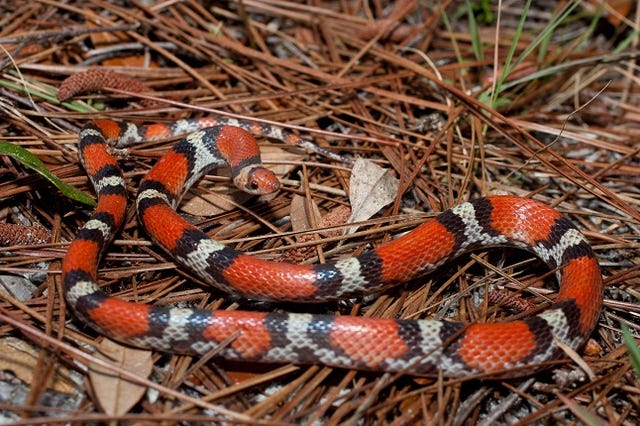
419,347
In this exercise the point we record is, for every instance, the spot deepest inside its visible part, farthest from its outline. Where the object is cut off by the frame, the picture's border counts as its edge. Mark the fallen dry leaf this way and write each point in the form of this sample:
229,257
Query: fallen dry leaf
116,395
371,187
21,359
304,215
301,221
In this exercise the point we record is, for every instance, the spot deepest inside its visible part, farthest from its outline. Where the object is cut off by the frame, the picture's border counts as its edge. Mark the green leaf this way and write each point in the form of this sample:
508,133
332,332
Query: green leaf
34,163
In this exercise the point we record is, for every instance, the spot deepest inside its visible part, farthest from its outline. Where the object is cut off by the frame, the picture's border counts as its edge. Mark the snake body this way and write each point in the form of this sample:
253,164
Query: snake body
419,347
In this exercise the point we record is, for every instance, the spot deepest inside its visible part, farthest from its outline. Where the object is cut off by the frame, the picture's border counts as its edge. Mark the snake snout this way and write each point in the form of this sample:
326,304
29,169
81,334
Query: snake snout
259,180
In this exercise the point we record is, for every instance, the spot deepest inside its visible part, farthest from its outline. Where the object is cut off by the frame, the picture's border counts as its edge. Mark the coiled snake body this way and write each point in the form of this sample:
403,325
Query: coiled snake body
409,346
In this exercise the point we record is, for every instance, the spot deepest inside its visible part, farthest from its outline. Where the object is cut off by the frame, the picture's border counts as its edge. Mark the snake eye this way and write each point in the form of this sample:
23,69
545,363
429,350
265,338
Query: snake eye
254,185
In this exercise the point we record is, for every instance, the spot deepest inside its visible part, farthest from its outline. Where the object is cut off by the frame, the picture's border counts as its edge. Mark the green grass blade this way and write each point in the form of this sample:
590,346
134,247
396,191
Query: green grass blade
31,161
547,31
544,35
632,348
507,67
454,41
476,42
46,92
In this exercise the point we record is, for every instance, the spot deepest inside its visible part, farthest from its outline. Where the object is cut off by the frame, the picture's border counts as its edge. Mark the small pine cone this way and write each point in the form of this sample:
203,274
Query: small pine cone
22,235
97,79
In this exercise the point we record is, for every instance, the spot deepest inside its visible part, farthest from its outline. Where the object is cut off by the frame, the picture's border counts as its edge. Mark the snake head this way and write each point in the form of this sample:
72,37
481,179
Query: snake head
257,180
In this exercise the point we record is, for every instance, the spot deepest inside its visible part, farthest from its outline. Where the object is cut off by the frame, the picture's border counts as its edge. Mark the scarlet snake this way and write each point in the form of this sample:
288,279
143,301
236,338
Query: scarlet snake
410,346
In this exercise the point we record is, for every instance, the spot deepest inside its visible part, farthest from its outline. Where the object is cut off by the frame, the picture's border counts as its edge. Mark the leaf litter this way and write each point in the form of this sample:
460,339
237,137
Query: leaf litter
395,83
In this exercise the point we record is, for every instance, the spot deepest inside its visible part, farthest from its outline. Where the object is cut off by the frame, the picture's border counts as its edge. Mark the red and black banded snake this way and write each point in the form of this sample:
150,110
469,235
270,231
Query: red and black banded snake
504,349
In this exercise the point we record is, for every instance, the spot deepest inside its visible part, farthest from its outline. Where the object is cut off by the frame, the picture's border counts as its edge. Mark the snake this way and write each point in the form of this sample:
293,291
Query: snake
448,347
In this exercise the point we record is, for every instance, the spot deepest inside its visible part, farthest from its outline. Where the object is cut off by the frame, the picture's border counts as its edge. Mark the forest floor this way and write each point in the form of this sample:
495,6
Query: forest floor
451,100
